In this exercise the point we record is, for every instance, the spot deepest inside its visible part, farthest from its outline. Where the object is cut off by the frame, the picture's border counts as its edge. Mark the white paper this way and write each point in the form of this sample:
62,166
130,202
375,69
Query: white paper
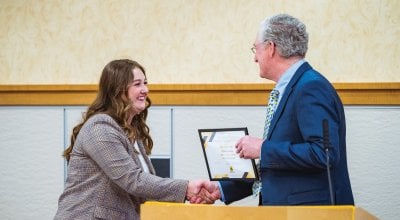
223,161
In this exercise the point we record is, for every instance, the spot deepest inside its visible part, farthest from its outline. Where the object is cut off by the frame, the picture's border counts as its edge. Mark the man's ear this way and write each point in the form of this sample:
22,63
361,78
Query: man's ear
271,49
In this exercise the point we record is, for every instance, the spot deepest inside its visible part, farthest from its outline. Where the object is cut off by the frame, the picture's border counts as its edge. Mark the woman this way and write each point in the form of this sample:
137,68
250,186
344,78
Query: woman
109,171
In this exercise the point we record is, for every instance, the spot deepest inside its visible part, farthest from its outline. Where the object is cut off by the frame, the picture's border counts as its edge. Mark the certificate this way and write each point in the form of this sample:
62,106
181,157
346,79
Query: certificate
223,163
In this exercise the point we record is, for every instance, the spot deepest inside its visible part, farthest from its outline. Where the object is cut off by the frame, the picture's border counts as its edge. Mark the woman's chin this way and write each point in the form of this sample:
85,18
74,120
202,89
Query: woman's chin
138,109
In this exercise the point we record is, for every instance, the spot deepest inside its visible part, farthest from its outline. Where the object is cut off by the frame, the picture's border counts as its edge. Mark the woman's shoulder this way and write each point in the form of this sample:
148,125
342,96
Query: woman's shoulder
100,125
101,119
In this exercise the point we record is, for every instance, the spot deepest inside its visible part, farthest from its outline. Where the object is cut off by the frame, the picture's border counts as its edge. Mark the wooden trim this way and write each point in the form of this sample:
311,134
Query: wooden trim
192,94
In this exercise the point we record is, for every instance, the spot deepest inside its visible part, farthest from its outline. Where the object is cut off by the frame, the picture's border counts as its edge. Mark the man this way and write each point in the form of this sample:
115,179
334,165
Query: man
293,156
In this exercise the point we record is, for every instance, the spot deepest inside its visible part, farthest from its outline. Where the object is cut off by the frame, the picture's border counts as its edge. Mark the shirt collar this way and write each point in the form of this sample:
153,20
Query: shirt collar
287,76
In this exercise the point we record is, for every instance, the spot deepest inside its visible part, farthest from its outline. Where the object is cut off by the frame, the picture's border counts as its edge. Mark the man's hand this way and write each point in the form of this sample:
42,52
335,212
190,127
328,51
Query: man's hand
249,147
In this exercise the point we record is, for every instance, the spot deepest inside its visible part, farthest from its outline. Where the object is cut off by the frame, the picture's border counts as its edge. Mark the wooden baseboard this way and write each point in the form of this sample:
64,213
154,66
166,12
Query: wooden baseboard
192,94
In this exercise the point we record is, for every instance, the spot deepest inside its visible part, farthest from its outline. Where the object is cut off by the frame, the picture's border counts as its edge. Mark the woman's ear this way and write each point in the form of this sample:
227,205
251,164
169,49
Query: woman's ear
124,96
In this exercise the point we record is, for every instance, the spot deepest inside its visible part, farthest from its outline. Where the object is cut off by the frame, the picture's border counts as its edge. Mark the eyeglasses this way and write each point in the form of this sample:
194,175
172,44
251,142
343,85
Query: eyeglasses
253,49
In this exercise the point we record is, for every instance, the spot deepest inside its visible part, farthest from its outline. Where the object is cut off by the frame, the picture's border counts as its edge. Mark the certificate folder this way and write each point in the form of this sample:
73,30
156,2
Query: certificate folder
223,163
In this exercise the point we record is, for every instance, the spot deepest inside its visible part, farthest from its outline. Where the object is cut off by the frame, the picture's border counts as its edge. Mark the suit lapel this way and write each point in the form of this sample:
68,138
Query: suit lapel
288,91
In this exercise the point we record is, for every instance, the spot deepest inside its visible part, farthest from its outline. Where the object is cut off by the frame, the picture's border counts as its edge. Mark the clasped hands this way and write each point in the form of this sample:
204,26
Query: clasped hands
207,192
202,192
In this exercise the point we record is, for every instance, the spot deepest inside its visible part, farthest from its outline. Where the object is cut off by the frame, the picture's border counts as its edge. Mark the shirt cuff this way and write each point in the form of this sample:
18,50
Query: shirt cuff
222,192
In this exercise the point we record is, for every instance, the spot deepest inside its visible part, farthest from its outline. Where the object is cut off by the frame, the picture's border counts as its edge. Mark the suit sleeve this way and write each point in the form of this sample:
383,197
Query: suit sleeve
103,143
236,190
298,143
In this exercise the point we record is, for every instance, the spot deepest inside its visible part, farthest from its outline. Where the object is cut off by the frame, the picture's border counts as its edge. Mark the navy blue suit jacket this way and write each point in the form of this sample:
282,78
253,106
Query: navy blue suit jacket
293,159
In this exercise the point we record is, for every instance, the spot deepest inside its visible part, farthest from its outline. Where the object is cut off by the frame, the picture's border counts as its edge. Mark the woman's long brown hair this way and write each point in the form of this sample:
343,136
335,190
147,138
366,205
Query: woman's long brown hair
114,81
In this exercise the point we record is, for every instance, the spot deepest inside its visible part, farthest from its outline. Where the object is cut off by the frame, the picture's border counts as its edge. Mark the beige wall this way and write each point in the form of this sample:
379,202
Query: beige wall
192,41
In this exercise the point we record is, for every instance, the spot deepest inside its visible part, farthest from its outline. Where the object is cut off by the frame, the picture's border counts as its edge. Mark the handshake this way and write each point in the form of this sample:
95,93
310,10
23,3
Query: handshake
202,192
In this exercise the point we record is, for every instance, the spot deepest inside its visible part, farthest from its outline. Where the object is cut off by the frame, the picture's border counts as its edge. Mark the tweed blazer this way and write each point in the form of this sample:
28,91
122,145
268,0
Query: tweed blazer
105,179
